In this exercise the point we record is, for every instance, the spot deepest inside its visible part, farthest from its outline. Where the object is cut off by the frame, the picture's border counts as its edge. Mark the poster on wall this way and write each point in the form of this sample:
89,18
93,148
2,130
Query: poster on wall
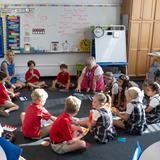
1,39
13,32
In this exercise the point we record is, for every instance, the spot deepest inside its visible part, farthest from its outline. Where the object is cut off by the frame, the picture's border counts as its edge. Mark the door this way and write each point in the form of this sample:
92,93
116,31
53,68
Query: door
141,67
157,12
132,63
136,9
156,37
145,36
133,38
148,8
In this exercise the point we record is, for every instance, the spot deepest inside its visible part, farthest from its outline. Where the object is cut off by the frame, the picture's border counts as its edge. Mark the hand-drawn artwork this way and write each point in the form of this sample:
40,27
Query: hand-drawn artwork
26,39
26,26
44,18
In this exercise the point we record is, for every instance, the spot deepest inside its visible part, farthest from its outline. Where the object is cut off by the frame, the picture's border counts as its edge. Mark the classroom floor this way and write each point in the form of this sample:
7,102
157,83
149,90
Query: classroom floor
113,150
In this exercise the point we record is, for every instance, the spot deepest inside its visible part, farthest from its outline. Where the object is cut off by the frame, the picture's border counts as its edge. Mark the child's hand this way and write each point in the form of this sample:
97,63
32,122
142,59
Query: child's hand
115,111
78,89
75,121
79,129
66,89
34,75
17,94
76,128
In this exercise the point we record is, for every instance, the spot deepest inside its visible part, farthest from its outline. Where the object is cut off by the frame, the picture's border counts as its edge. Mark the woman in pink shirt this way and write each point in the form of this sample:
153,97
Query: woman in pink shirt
91,78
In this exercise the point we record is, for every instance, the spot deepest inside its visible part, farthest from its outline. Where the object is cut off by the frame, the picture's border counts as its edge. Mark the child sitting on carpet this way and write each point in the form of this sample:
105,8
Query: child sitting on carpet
35,113
153,109
62,79
133,121
100,120
6,105
32,76
63,134
111,86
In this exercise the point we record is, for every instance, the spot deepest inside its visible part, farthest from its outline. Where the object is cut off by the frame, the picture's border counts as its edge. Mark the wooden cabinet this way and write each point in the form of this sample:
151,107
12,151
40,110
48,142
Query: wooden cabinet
136,9
156,36
148,8
142,9
157,10
145,36
134,35
132,58
141,65
143,33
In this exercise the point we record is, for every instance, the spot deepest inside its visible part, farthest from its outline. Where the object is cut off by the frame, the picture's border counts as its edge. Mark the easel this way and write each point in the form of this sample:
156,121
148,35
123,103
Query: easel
110,49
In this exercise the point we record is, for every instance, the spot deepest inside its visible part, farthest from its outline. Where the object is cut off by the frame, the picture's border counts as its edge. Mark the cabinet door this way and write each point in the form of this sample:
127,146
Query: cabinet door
148,8
157,12
133,36
156,37
132,56
145,35
136,9
141,63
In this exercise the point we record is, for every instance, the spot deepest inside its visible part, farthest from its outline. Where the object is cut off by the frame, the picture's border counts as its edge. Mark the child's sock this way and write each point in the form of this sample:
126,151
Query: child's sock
7,111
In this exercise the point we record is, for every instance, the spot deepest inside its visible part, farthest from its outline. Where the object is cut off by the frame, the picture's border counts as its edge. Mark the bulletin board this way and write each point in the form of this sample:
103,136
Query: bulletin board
63,26
1,39
13,32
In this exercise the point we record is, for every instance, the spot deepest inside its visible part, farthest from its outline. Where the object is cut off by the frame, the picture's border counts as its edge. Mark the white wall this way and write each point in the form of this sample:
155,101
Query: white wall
48,64
61,1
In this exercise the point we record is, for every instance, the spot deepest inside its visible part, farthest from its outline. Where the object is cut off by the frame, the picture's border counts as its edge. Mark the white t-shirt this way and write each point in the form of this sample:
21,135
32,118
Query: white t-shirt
114,87
98,71
96,114
154,101
2,154
130,106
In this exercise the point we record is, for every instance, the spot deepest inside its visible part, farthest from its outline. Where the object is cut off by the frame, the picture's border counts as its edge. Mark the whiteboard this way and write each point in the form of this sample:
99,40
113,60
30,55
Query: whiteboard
61,23
111,47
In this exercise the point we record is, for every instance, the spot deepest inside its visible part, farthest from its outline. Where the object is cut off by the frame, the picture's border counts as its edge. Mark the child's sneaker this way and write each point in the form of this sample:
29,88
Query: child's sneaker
4,113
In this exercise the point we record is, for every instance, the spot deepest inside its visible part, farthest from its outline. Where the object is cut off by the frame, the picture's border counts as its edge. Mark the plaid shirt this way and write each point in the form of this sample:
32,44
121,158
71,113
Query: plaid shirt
136,123
103,130
154,115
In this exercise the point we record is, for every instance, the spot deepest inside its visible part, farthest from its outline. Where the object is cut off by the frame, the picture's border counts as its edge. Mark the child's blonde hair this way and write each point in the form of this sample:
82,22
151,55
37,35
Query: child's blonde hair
104,99
72,104
7,55
133,92
101,97
39,94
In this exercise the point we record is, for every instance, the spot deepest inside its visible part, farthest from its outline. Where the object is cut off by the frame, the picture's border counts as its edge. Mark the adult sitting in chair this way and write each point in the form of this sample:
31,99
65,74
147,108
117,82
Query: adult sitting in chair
8,66
91,78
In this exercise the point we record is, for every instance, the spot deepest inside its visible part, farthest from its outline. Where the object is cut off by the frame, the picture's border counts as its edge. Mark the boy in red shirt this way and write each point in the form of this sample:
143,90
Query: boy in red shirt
6,105
62,79
35,113
63,134
32,76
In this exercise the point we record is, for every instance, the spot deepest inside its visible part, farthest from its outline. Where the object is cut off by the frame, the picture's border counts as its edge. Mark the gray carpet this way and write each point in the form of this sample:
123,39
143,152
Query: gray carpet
114,150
